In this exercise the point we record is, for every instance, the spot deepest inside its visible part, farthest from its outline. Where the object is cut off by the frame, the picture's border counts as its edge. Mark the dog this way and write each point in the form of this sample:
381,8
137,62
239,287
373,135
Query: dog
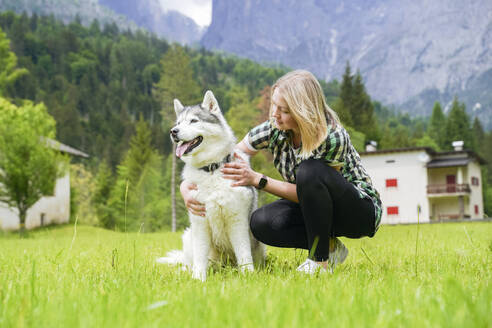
204,141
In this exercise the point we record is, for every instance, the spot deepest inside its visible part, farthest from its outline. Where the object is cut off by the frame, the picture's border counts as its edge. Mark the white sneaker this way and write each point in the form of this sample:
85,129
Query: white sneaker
338,255
310,267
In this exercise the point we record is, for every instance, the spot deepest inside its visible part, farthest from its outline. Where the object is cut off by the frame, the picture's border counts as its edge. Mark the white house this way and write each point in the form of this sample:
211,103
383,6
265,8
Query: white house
47,210
419,183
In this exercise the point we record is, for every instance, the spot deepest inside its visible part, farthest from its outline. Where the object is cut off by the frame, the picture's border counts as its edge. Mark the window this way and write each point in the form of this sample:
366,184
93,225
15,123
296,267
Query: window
391,183
475,181
392,210
476,209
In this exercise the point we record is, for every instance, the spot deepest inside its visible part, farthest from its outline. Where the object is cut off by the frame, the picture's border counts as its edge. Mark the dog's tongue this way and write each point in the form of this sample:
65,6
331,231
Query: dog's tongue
182,148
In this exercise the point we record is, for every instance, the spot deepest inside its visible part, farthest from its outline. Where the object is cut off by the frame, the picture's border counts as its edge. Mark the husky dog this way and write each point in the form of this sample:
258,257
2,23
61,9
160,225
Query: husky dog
204,141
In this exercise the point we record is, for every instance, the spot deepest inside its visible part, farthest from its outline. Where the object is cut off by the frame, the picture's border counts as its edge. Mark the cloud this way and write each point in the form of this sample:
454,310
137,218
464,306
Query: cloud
199,10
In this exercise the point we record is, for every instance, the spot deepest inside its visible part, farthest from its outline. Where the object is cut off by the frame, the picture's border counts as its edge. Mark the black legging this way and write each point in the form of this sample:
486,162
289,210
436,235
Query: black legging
329,206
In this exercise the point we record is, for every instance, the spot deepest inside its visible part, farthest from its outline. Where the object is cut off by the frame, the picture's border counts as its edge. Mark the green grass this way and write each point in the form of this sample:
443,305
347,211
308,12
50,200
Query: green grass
107,279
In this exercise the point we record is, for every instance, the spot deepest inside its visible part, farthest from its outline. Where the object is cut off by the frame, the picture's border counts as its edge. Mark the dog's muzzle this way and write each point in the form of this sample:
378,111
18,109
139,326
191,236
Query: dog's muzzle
174,134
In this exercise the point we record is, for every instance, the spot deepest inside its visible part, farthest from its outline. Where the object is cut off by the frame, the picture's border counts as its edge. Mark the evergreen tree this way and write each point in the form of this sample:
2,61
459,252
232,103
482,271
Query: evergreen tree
243,114
148,199
176,82
140,151
104,183
478,136
344,106
437,126
354,105
362,111
395,135
426,141
360,102
137,190
9,72
343,112
458,126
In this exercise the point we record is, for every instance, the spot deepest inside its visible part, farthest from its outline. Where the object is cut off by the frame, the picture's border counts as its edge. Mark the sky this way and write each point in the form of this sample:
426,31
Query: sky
199,10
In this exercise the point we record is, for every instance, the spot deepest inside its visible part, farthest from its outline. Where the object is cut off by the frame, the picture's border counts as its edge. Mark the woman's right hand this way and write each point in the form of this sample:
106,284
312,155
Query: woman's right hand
194,206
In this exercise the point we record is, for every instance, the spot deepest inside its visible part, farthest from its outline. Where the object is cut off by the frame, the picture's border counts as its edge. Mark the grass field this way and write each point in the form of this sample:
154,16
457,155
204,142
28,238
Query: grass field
100,278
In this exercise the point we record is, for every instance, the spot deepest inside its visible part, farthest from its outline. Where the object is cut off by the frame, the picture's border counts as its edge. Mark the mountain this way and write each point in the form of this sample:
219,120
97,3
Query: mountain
68,10
127,14
149,14
410,52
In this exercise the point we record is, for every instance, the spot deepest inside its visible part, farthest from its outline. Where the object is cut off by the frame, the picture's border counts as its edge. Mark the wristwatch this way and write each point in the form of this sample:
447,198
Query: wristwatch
262,183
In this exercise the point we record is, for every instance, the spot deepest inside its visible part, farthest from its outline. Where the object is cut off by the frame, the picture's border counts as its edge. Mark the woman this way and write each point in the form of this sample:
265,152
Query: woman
326,192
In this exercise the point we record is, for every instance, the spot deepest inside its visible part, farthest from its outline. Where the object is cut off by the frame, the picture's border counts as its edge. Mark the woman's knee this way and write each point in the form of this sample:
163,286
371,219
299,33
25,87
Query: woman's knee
258,223
264,223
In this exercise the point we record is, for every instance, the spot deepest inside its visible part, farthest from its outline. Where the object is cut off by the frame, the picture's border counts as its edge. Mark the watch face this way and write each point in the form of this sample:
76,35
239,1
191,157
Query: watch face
262,183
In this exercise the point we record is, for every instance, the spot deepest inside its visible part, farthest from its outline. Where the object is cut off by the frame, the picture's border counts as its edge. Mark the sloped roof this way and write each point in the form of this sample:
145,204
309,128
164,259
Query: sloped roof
65,149
398,150
448,162
437,156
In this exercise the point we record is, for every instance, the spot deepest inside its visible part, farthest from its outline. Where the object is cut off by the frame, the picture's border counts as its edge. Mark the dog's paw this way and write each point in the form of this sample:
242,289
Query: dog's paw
248,267
199,275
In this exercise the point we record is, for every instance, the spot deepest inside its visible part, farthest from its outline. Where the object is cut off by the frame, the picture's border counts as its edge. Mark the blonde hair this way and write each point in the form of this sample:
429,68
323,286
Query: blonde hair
303,94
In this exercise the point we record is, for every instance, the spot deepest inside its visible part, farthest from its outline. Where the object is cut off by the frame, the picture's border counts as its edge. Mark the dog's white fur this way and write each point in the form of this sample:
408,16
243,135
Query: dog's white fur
224,232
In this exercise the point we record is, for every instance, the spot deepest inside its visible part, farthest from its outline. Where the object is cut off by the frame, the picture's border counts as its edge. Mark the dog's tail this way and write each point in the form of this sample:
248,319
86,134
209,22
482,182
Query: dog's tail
173,257
184,256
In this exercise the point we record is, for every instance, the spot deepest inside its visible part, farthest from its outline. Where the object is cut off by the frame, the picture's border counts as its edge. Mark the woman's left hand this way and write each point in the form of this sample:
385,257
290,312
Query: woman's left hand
241,172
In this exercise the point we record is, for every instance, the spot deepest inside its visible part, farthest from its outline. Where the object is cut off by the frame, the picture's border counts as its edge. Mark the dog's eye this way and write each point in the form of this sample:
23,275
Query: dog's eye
194,120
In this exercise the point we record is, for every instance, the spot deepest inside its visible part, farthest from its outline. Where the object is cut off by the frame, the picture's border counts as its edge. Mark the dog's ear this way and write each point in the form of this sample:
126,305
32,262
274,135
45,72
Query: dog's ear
210,103
178,107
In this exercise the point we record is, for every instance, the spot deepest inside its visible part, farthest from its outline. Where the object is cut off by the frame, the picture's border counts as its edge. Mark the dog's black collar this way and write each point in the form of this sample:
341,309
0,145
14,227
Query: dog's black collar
214,166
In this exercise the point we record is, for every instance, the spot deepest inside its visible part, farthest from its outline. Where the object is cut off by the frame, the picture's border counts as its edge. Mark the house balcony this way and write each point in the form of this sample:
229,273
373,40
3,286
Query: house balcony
437,190
452,216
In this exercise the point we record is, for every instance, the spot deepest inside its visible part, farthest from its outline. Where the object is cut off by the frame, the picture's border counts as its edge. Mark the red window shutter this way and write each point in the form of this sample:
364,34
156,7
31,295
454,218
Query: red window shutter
392,210
391,183
476,209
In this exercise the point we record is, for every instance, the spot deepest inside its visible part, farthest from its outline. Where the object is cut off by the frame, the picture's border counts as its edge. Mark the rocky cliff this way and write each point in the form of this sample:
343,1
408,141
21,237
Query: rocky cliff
68,10
410,52
127,14
149,14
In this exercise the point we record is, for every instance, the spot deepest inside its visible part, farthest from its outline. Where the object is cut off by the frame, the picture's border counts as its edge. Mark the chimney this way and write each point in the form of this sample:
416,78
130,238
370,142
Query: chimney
371,145
458,145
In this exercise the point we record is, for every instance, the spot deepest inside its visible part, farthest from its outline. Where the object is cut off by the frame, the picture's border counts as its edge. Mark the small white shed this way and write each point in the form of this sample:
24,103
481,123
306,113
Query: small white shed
47,210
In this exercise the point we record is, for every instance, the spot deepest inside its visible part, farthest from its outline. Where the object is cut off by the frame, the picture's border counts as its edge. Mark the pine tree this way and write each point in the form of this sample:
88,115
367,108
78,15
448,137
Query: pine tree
345,105
342,112
458,126
478,136
362,110
137,190
437,125
140,151
8,62
243,114
104,184
176,82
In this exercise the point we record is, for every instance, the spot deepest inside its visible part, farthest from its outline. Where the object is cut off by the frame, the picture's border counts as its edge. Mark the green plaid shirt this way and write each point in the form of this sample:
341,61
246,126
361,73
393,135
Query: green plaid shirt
337,150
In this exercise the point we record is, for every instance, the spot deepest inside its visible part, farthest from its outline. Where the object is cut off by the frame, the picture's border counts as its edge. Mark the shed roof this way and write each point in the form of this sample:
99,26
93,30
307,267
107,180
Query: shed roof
65,149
